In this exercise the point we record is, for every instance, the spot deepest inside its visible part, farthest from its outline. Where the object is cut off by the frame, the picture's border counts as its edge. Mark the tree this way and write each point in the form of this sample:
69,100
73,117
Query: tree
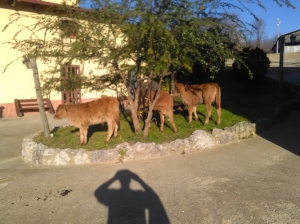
258,33
258,63
136,41
268,43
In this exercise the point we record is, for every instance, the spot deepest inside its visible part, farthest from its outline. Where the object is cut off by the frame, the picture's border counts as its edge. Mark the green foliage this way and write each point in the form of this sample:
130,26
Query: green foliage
256,61
166,37
166,85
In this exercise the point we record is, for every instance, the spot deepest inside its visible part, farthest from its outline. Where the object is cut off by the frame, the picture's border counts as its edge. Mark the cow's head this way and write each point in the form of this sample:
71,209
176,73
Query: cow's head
61,112
126,104
145,99
179,87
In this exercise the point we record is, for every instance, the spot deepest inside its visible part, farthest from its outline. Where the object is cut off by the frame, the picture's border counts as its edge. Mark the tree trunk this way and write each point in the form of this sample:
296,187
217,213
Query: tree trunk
152,102
148,123
134,103
135,119
39,97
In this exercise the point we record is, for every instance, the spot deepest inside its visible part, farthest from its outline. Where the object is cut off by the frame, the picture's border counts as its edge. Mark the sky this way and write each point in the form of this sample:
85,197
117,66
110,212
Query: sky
289,18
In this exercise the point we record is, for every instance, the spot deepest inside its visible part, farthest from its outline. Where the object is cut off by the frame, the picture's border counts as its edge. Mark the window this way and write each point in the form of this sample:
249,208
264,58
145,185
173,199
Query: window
74,96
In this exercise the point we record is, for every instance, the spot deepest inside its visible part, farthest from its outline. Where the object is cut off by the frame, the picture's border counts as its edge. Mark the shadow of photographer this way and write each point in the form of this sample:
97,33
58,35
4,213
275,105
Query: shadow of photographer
131,206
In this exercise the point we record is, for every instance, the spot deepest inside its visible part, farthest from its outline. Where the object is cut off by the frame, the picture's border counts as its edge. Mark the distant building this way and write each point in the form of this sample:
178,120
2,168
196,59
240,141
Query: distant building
291,42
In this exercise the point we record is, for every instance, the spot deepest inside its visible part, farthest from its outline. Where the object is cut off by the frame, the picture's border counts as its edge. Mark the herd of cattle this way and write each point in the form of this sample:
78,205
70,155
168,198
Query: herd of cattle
106,109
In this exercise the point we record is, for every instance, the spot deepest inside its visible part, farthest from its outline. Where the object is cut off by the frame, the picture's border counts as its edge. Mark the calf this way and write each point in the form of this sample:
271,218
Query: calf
164,106
208,93
83,115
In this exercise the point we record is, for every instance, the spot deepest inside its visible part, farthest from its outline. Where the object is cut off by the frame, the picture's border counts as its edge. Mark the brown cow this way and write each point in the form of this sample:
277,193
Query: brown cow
192,95
83,115
164,106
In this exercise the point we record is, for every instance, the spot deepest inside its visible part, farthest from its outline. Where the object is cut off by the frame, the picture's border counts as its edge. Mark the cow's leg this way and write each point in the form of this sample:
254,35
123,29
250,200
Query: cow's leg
219,115
195,113
85,131
116,130
83,135
208,112
171,118
111,128
155,118
190,110
162,122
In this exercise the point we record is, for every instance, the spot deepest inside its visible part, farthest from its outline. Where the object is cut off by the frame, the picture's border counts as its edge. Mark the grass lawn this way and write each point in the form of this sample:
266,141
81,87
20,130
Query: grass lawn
68,137
239,103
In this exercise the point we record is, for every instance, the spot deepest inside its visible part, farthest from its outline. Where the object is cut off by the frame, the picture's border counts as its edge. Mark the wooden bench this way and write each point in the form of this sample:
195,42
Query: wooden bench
31,105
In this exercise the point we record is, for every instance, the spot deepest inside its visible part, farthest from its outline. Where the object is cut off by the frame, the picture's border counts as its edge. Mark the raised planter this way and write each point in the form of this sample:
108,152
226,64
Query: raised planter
39,154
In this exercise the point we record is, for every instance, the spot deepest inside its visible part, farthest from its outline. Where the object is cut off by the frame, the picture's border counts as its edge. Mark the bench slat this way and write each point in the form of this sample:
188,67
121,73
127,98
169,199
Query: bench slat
31,100
32,108
29,104
26,105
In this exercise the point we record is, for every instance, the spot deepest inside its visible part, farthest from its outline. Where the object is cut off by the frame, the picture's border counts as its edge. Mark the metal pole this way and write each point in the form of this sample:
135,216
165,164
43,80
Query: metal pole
277,37
281,72
278,22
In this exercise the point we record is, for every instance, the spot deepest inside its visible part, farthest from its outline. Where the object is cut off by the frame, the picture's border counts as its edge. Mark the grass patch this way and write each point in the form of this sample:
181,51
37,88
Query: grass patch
239,103
68,137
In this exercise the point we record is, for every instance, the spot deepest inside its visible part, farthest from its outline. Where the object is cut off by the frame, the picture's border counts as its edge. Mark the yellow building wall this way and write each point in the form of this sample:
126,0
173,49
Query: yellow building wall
17,81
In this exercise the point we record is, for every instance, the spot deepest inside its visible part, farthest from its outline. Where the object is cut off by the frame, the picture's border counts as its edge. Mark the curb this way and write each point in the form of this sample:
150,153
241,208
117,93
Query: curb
39,154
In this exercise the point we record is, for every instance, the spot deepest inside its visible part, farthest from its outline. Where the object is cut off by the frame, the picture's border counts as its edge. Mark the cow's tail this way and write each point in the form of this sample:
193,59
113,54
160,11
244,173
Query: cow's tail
117,120
218,97
218,103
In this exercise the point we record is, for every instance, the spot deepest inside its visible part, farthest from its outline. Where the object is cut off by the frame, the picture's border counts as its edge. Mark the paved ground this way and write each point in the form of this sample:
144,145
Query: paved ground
253,181
291,67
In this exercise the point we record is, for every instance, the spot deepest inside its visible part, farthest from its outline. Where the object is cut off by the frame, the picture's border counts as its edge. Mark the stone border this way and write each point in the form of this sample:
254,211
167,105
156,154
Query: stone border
39,154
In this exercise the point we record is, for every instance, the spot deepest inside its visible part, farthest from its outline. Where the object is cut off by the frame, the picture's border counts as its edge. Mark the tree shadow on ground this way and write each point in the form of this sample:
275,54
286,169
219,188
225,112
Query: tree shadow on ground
285,134
262,102
126,205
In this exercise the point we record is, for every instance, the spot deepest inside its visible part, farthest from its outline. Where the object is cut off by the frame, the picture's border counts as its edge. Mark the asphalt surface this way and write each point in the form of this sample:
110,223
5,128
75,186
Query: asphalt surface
291,70
253,181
